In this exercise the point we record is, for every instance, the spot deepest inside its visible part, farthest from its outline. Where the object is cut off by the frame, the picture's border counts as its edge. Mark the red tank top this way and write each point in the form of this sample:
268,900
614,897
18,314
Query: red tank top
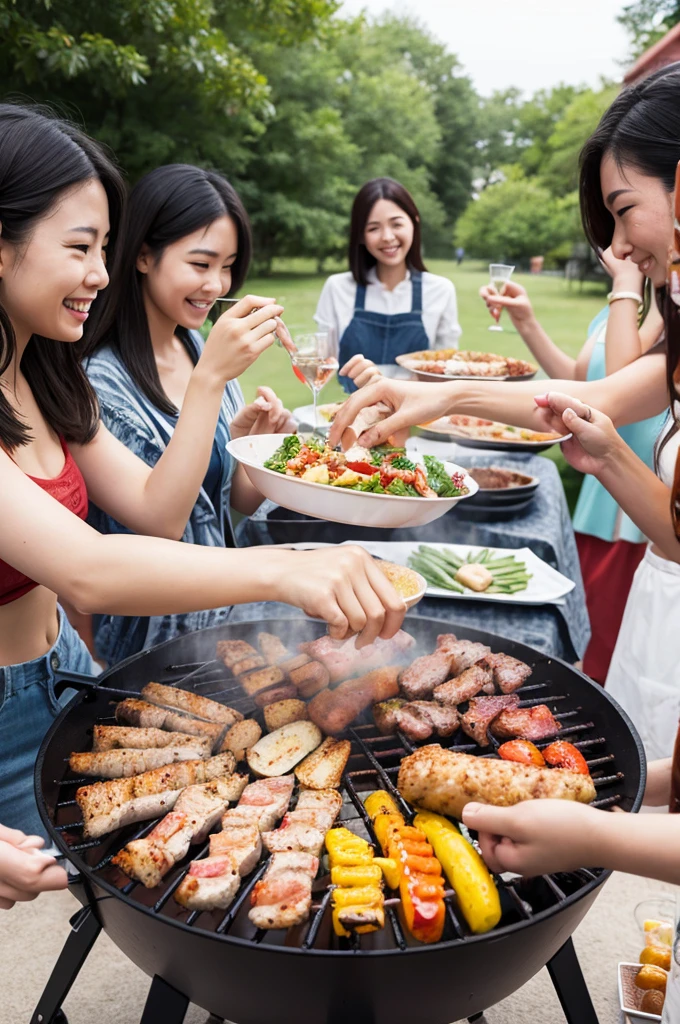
69,490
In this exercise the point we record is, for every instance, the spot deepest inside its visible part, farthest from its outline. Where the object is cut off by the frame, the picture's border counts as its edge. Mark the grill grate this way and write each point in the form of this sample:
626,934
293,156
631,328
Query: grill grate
374,762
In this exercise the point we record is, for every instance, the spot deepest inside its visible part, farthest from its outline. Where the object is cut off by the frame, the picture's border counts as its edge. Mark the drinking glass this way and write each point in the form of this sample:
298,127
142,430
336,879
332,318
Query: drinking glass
499,274
314,361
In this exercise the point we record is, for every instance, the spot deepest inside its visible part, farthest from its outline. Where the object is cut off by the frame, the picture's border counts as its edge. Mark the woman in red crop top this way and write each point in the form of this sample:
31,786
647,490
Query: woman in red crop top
60,206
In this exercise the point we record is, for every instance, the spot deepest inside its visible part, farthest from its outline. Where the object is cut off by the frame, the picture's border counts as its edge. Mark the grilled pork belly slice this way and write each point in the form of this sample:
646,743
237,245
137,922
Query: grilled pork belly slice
305,828
197,810
468,684
481,713
446,780
273,649
537,723
265,800
283,898
242,842
191,703
122,764
464,653
420,678
118,737
508,673
342,659
210,884
110,805
139,712
333,710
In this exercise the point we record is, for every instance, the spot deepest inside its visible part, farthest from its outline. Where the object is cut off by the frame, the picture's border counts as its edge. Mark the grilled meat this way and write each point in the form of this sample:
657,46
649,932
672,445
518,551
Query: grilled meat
242,842
210,884
261,679
191,703
110,805
197,810
273,649
508,673
122,764
468,684
385,715
284,896
145,715
264,802
310,678
420,678
283,691
464,653
443,720
417,719
446,780
333,710
413,723
241,737
537,723
342,659
305,828
231,652
481,713
117,737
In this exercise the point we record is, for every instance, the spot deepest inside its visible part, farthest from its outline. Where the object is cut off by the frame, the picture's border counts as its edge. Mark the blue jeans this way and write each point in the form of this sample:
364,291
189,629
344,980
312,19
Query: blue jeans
28,707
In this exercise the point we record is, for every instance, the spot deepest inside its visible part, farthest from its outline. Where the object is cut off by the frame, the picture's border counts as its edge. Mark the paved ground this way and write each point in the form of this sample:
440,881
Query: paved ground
111,990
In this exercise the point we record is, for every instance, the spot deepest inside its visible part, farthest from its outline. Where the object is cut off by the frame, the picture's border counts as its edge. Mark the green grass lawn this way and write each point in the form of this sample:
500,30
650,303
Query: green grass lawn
564,311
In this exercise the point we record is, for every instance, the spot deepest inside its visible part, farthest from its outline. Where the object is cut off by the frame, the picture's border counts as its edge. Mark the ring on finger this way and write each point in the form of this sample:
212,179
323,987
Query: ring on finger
588,414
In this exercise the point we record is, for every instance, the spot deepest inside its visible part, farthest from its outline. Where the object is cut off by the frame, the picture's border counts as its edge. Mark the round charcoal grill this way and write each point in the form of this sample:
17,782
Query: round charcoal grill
307,975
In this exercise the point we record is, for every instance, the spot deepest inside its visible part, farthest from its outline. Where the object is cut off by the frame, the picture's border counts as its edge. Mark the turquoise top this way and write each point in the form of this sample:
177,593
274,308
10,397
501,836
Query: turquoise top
596,511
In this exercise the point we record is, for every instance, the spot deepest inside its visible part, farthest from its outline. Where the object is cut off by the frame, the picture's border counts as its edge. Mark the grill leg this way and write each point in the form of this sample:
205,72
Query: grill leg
570,985
164,1003
84,930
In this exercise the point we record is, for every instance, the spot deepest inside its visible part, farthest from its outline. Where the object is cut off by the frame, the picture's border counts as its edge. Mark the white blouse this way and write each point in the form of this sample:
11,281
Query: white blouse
439,313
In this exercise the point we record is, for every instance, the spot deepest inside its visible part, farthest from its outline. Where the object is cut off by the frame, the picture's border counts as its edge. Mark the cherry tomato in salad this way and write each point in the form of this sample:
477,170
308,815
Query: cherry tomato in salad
362,467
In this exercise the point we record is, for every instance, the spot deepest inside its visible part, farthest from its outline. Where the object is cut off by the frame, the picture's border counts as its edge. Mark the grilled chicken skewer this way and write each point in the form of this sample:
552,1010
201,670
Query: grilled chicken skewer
118,737
305,828
197,810
445,781
283,897
213,881
123,764
149,716
110,805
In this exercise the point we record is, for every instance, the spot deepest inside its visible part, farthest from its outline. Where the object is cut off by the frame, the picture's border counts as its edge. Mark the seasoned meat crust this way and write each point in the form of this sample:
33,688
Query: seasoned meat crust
508,673
537,723
446,780
419,680
465,686
481,713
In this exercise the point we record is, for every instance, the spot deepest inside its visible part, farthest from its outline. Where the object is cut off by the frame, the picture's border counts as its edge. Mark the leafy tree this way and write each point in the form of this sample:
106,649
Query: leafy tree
497,134
559,171
647,21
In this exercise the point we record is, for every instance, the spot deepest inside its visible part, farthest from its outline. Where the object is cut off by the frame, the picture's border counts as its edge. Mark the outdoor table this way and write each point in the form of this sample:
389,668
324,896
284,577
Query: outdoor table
561,630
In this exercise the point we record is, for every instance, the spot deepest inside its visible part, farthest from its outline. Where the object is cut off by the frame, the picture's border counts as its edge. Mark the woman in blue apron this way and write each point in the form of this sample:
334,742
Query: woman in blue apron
387,304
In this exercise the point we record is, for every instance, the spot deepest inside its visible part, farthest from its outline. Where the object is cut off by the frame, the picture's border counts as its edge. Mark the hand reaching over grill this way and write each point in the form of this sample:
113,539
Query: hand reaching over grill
25,871
346,589
536,837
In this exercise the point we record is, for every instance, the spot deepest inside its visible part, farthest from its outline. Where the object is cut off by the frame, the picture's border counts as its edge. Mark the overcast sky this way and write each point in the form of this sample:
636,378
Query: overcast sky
532,44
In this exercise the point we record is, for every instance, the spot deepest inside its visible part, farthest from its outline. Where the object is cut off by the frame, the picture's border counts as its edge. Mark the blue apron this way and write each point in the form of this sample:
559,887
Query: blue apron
383,336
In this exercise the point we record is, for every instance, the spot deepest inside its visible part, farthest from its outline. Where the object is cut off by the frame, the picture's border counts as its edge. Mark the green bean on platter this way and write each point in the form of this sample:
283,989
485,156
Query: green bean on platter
446,569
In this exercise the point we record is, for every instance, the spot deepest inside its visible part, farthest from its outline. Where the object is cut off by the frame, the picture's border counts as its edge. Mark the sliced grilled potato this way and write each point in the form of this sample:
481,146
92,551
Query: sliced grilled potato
283,712
324,767
279,751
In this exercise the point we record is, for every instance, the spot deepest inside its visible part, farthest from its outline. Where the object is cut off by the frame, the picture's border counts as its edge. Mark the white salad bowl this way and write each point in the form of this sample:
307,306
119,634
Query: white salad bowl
338,504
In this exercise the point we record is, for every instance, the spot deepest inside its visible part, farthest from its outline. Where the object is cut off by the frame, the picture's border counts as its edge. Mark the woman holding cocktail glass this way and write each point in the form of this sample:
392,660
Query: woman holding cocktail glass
387,303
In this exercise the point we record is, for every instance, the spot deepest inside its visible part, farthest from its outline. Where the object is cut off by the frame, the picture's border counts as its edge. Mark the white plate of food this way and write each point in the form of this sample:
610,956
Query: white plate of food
474,432
304,415
545,585
455,364
308,481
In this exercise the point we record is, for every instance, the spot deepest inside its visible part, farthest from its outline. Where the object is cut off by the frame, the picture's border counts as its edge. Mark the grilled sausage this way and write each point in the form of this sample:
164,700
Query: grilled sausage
191,703
284,691
310,678
122,763
117,737
141,713
333,710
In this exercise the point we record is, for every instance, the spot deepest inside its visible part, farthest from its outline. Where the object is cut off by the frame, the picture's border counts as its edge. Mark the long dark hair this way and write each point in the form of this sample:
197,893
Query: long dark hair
167,204
641,129
360,259
42,157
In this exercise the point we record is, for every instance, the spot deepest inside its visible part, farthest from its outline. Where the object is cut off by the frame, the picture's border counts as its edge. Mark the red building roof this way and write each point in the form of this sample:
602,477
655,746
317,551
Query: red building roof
664,52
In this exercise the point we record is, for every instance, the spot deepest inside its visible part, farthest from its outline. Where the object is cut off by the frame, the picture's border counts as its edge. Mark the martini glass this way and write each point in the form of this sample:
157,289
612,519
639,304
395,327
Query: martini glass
499,274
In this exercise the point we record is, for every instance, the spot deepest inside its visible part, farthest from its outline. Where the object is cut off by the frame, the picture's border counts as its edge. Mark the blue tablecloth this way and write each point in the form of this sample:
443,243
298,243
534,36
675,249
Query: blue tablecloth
545,527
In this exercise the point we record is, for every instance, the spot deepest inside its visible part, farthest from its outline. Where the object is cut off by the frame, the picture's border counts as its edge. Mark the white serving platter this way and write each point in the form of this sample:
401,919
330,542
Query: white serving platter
338,504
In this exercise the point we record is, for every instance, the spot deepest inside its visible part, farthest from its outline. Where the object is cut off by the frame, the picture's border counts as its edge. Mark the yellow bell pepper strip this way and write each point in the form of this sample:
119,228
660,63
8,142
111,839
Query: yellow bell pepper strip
421,884
466,871
357,899
391,870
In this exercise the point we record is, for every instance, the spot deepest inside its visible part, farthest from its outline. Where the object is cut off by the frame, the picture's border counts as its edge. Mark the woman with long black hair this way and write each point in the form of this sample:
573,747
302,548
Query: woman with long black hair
61,204
387,304
627,179
186,242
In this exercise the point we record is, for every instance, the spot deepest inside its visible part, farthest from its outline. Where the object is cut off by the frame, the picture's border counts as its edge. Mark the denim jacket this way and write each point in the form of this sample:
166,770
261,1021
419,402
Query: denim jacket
134,420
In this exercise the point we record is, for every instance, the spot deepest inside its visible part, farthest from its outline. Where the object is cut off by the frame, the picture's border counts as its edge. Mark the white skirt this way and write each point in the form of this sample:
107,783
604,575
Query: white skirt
644,674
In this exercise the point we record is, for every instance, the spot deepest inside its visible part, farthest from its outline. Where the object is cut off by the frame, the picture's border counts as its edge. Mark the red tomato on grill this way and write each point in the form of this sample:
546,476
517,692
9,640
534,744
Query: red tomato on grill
522,751
565,755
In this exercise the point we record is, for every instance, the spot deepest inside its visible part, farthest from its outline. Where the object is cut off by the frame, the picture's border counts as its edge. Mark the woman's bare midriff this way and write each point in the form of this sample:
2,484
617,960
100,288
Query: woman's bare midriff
28,626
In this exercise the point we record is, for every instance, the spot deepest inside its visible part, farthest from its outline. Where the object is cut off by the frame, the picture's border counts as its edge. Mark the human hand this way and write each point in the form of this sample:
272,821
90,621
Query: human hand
361,370
240,335
265,415
594,443
625,275
25,871
347,590
535,837
388,406
514,299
